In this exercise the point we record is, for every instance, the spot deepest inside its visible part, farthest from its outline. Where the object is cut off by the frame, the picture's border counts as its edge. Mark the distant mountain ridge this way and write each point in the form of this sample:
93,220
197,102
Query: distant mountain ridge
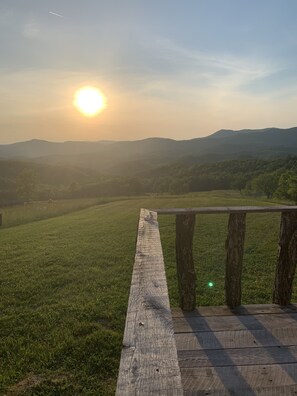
229,132
131,156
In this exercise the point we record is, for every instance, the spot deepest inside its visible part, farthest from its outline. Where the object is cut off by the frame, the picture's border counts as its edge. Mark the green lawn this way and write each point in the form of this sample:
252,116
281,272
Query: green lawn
33,211
64,285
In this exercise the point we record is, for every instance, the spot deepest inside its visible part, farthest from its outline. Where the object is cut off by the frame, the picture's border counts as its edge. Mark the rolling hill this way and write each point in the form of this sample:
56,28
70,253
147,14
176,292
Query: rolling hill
134,157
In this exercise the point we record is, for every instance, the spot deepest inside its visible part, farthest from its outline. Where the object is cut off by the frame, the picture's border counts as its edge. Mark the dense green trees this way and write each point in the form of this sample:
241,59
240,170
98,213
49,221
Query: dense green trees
283,185
26,184
266,183
287,186
238,182
273,178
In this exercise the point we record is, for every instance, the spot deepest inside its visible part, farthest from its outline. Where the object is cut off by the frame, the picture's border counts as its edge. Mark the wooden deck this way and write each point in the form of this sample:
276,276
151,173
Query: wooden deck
243,350
250,350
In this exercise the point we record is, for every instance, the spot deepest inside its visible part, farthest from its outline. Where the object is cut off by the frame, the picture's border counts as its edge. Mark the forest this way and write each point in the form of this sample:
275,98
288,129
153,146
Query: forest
25,181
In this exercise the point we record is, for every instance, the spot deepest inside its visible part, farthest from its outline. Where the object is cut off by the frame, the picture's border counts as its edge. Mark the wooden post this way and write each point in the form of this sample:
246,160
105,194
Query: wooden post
287,258
235,247
186,276
0,219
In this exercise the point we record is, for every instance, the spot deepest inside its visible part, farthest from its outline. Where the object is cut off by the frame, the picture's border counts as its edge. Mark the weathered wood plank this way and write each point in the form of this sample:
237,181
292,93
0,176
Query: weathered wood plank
254,309
237,339
185,225
149,363
232,323
287,259
288,390
237,356
264,380
234,247
254,353
225,209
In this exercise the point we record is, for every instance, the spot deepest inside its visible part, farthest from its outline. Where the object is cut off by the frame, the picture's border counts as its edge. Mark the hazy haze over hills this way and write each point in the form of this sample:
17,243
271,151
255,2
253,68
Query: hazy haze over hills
88,169
131,157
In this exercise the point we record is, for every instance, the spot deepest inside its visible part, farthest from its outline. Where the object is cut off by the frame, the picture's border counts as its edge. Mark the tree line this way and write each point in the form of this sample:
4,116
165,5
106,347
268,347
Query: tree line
272,178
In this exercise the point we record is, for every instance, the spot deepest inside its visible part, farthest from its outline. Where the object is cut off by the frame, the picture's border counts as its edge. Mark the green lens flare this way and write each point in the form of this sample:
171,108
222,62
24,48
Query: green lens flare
210,284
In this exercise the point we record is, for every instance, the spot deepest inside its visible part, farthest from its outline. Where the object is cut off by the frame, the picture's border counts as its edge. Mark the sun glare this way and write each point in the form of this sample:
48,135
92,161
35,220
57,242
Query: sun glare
89,101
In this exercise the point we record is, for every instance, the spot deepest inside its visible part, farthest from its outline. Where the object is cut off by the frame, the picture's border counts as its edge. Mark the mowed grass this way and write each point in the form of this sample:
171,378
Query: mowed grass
64,285
34,211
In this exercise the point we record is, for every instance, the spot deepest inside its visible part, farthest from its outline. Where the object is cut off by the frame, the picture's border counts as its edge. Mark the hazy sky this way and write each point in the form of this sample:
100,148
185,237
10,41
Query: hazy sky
168,68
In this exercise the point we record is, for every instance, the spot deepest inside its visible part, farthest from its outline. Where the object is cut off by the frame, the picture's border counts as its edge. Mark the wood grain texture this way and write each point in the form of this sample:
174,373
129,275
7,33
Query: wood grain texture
185,225
149,364
253,309
234,247
236,339
287,259
237,356
235,323
226,209
289,390
267,380
250,350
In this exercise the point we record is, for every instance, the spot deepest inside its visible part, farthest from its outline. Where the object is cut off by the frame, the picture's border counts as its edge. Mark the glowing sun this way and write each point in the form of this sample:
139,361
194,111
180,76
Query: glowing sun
89,101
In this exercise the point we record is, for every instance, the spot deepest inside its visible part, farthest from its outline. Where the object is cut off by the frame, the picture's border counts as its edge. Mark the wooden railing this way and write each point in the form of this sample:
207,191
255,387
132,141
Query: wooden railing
285,266
149,364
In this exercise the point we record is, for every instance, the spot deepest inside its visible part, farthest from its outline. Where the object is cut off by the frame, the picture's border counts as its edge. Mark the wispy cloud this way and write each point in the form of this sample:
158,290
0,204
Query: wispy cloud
219,69
56,14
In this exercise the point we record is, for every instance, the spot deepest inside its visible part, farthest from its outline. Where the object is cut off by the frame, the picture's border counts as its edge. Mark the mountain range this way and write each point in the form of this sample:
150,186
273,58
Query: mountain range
134,157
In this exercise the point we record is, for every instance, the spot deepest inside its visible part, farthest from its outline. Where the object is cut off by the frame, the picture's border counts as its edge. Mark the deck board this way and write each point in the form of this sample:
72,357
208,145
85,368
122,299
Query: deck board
251,350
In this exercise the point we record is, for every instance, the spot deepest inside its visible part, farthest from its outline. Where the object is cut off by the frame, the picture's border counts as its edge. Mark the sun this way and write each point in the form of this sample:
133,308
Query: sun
89,101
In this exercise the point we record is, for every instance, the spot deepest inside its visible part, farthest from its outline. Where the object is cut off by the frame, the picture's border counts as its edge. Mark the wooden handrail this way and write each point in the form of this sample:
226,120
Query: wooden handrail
149,364
225,209
287,252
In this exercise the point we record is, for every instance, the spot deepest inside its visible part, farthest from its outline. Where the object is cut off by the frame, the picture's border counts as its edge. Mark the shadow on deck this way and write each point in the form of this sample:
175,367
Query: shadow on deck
250,350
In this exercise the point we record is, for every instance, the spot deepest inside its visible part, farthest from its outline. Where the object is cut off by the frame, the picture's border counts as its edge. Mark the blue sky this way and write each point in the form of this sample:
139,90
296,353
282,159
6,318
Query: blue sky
167,68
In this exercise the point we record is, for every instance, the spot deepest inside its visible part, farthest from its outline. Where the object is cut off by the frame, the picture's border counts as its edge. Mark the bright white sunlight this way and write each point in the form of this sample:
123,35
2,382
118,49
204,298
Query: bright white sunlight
89,101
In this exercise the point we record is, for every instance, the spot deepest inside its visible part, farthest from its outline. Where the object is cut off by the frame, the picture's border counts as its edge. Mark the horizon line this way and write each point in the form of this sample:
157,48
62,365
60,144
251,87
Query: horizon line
146,138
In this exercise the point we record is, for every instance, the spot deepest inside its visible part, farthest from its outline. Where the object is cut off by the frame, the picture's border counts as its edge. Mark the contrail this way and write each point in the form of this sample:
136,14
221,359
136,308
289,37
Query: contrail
58,15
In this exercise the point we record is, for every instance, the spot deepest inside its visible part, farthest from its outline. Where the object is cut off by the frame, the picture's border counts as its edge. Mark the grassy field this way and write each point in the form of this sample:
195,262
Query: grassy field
64,286
34,211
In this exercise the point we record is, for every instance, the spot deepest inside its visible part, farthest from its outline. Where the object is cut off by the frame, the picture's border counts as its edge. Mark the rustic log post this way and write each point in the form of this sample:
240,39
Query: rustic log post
235,247
287,258
186,276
